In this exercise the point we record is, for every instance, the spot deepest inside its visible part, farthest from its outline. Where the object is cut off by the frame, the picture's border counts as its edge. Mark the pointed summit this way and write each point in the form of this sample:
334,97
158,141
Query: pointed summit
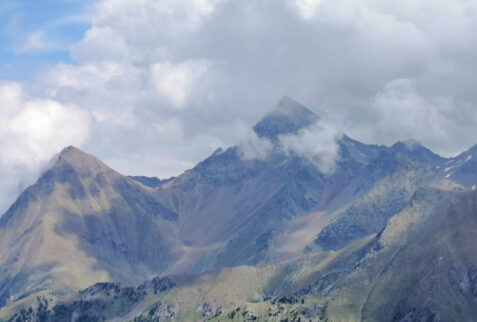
288,106
71,152
287,117
416,150
81,162
79,224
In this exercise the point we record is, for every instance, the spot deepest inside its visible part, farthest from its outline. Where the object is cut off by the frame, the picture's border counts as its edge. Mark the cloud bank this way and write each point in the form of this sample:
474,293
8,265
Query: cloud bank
32,130
317,143
160,85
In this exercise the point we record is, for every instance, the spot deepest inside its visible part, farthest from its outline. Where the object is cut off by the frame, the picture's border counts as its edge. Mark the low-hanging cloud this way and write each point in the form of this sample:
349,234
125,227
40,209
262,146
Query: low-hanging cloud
318,143
32,130
402,112
254,147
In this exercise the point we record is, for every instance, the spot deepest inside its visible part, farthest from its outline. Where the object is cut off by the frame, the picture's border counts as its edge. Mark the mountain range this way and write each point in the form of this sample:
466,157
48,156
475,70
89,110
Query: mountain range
387,235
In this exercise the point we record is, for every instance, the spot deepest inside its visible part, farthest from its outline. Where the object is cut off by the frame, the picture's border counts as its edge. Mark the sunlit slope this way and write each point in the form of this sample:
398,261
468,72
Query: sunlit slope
421,267
82,223
228,294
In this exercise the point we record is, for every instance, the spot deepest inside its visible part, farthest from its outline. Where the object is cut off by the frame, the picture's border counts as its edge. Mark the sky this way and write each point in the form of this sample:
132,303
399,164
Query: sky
35,35
152,87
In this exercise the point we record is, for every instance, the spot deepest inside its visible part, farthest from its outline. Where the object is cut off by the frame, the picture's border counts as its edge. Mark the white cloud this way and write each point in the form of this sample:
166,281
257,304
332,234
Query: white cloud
172,80
306,8
210,65
34,41
253,147
317,143
101,43
141,30
32,130
403,113
176,80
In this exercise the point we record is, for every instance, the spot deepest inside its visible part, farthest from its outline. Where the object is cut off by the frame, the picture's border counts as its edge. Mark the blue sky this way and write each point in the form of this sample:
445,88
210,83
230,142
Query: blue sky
38,34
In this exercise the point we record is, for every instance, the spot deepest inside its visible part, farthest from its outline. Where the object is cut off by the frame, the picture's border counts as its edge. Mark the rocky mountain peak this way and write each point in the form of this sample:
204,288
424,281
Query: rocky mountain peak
287,117
81,162
417,151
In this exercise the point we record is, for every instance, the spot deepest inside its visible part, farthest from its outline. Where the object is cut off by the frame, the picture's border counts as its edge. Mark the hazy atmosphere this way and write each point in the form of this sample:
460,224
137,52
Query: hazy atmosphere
238,160
153,87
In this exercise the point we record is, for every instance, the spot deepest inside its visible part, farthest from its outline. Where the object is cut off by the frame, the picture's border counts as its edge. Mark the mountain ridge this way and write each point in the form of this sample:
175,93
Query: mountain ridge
379,278
225,212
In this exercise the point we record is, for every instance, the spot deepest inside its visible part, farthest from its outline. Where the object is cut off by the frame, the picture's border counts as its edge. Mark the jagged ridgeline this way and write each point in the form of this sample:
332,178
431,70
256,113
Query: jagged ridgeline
386,236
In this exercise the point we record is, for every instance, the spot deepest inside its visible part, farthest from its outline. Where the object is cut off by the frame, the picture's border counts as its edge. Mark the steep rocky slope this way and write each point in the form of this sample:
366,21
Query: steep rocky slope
83,223
421,267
